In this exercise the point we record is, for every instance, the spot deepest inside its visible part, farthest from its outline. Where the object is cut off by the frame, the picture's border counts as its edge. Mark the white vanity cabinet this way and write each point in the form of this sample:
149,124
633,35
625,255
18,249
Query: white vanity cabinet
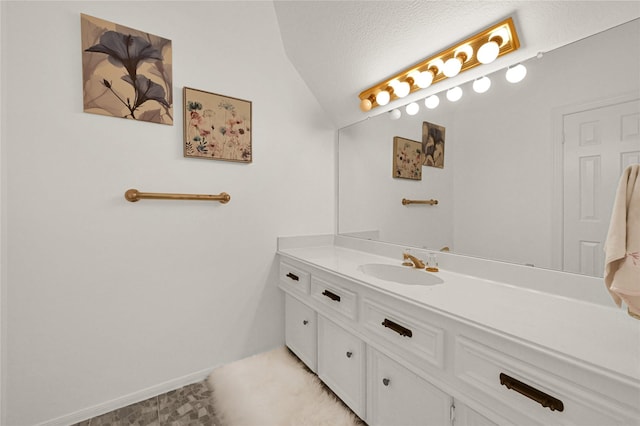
395,361
397,396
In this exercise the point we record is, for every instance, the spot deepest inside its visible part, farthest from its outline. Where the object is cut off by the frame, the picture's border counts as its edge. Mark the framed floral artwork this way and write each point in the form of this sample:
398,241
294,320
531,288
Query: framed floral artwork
433,144
407,159
126,73
216,127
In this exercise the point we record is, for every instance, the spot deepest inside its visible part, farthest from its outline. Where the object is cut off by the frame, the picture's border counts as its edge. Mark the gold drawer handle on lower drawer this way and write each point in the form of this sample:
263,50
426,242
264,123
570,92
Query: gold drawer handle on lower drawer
554,404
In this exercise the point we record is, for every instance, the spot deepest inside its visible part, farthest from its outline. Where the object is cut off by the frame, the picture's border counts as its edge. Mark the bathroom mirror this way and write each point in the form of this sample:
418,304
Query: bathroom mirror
530,169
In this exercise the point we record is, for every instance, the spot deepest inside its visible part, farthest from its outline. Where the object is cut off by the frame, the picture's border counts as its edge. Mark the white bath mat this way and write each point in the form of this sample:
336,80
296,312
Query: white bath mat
274,389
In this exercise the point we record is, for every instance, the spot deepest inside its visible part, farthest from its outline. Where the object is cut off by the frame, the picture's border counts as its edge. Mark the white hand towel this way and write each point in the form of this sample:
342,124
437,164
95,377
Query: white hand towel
622,247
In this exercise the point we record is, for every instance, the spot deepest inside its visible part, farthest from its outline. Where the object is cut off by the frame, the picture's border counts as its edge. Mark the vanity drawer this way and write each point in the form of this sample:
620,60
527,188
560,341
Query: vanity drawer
294,278
404,334
334,296
527,393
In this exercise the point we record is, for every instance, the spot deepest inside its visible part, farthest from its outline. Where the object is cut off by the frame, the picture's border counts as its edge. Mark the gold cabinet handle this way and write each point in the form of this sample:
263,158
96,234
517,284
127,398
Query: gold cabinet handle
431,202
134,195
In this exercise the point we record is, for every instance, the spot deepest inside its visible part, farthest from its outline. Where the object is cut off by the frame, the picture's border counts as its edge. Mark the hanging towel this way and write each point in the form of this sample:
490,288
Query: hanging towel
622,247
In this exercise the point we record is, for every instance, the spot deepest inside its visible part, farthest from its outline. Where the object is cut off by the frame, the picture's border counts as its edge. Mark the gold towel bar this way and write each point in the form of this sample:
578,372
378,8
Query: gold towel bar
135,195
430,202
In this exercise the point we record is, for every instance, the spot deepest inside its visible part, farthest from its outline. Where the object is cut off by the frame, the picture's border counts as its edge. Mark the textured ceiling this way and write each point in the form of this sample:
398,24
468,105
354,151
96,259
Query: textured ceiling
341,48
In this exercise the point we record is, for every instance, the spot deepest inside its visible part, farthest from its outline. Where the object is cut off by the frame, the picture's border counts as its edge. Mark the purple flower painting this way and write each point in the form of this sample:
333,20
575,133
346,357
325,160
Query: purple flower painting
216,127
126,72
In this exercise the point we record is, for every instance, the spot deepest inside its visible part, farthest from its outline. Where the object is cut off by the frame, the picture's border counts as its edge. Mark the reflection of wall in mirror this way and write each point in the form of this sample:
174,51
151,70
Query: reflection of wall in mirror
496,191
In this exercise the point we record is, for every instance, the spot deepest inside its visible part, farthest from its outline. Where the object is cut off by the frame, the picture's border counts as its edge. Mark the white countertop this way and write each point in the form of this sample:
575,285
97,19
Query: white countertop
600,336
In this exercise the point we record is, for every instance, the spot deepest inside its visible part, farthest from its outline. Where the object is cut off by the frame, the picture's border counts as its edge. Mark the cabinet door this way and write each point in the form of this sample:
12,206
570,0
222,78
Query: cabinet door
397,396
301,331
341,364
465,416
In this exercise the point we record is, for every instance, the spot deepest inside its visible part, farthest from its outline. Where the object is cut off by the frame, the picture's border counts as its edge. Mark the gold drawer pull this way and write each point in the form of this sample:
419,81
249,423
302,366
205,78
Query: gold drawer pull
546,400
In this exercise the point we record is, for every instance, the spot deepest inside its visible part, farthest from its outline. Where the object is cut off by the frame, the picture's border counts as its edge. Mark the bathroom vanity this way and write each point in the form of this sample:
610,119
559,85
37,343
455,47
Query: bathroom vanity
477,343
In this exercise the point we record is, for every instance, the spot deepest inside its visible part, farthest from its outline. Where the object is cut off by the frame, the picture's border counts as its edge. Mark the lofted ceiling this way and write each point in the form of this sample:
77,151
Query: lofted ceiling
341,48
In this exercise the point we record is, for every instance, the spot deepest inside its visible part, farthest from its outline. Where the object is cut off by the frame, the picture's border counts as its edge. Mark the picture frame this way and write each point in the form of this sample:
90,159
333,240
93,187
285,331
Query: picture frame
407,159
433,137
217,127
126,73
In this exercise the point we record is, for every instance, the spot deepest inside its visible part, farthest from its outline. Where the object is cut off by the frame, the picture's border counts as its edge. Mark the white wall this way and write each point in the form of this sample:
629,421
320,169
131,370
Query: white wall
107,298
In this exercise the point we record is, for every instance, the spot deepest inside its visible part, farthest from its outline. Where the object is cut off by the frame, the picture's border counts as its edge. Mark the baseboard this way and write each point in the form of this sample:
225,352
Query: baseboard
132,398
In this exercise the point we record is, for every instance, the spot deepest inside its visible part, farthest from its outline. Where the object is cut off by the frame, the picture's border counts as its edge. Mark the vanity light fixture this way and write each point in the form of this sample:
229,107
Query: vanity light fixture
449,62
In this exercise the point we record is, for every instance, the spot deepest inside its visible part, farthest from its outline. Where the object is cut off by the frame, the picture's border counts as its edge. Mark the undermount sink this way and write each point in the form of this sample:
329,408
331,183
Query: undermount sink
400,274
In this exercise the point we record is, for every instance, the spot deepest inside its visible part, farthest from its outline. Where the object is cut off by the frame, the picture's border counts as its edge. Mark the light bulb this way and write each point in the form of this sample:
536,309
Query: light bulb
488,52
454,94
395,114
365,105
402,89
383,97
421,79
432,101
481,84
417,78
452,67
412,108
516,73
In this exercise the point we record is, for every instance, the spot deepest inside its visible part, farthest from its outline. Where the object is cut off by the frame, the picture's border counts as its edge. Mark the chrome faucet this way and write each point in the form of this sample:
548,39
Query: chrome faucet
417,263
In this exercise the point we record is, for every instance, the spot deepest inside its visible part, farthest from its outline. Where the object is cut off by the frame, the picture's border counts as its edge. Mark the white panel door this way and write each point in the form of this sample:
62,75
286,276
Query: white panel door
465,416
341,364
301,331
599,144
396,396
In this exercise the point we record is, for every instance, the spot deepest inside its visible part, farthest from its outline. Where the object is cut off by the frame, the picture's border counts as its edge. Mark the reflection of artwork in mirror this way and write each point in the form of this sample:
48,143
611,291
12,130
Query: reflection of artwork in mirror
126,72
407,159
216,127
433,144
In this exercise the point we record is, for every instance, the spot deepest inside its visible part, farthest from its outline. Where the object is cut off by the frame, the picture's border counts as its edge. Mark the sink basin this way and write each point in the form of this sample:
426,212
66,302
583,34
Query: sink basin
400,274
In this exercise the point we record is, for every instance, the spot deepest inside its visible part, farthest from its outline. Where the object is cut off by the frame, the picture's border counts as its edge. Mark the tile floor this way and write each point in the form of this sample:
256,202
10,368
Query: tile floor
191,405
